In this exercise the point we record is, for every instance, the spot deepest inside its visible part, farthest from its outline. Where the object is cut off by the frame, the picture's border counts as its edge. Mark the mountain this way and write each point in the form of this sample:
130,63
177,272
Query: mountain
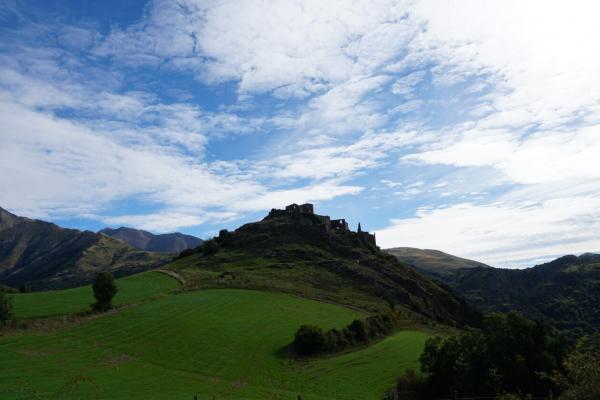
432,261
142,240
310,255
46,256
565,291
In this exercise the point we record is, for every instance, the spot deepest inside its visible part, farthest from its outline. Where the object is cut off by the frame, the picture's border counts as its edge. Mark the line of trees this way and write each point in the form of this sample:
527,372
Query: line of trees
509,355
311,340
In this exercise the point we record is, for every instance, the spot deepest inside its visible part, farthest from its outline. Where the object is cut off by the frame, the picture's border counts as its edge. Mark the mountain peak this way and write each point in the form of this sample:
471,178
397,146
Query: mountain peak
144,240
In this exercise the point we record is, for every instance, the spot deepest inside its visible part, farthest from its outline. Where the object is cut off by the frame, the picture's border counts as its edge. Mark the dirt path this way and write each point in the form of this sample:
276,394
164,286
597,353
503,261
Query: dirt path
173,275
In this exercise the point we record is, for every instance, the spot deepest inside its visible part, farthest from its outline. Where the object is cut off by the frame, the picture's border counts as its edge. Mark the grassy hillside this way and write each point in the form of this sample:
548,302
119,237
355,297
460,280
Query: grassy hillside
432,261
220,344
287,255
46,256
69,301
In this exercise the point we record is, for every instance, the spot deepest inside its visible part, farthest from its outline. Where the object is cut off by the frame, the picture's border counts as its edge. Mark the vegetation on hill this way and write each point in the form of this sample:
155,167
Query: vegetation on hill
143,240
310,340
105,289
432,261
132,289
581,377
6,308
278,253
217,344
511,354
45,256
565,291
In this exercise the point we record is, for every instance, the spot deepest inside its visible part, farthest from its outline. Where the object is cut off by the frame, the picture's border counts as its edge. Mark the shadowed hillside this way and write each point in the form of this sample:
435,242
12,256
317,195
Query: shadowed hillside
565,291
312,256
142,240
46,256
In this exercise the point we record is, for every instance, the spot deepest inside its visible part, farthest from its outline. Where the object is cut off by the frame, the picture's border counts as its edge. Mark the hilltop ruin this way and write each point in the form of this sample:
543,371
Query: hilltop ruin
304,214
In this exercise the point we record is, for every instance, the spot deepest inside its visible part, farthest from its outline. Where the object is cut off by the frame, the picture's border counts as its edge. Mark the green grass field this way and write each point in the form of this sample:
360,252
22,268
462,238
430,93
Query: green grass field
217,344
70,301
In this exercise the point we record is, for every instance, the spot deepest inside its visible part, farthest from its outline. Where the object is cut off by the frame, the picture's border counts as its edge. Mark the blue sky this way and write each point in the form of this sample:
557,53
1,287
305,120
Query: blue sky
470,127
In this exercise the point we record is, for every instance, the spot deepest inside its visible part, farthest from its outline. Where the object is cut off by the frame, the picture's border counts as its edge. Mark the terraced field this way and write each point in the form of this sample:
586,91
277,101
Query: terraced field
69,301
216,344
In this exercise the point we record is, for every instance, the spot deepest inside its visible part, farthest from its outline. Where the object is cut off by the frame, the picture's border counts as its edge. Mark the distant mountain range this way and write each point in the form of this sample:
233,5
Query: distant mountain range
565,291
143,240
46,256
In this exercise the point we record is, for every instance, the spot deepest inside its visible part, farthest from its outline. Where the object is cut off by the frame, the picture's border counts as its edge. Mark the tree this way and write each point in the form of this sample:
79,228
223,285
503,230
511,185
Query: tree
105,289
510,355
581,377
5,308
309,339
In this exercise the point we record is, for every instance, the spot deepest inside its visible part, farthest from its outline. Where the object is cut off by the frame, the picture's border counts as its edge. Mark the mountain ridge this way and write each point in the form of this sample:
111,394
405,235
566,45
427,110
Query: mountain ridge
564,291
160,243
46,256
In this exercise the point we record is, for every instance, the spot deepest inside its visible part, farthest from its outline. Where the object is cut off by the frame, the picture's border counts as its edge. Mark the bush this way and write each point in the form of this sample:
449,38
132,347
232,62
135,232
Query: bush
358,332
105,288
310,339
581,377
210,247
6,308
410,386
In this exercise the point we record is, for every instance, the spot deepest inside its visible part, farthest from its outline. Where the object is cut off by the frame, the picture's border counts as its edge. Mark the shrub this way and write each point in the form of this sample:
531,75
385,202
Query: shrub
105,288
310,339
358,332
581,377
5,308
410,386
210,247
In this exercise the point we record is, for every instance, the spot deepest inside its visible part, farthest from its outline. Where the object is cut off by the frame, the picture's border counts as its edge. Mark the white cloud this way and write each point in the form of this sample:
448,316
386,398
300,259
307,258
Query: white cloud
166,221
514,86
502,234
280,198
542,157
540,54
406,85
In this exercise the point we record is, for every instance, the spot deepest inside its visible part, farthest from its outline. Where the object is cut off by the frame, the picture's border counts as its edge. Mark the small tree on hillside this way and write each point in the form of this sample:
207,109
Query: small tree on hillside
5,308
105,289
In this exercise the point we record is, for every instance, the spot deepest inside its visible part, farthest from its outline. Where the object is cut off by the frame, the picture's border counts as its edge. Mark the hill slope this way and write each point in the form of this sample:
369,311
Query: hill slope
299,255
45,256
217,344
70,301
432,261
142,240
566,291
